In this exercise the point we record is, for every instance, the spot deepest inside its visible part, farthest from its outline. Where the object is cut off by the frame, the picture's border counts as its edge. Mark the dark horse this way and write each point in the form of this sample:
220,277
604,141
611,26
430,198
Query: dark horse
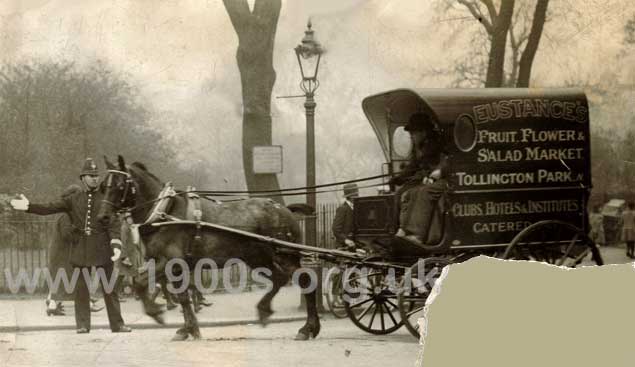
131,188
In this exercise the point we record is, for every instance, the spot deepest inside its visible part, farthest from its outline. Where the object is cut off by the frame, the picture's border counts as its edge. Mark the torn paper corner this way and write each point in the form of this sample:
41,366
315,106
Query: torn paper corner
564,266
488,258
422,321
572,318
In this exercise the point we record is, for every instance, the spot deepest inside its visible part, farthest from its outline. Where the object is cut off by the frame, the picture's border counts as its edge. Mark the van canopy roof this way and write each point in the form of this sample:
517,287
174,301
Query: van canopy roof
389,110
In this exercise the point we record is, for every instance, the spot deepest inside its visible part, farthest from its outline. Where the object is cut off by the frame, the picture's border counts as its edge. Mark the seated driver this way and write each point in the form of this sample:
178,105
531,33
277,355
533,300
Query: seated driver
422,181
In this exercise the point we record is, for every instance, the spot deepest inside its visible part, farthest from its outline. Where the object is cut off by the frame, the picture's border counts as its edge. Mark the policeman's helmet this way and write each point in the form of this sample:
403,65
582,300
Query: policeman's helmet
89,168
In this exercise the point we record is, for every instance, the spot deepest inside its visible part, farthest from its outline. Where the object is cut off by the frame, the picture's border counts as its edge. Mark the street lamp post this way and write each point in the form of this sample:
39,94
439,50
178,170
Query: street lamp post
308,53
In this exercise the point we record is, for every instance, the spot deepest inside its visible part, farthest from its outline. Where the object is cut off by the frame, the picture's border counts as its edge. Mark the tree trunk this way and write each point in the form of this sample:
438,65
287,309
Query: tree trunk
527,59
495,68
256,34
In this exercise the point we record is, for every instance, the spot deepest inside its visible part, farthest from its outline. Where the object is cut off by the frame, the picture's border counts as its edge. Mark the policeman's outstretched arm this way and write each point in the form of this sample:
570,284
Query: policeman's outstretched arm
59,206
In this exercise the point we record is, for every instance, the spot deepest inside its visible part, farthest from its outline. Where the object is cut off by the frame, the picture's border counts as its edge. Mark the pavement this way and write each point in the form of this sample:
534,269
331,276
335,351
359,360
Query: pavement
28,313
614,254
339,344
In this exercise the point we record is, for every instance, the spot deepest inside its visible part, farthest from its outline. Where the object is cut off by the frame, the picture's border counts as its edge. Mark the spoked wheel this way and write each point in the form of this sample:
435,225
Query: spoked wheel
333,292
553,242
416,287
370,300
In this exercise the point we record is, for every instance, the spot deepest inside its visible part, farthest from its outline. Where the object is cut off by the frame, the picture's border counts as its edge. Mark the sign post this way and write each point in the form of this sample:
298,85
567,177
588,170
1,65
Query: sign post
267,159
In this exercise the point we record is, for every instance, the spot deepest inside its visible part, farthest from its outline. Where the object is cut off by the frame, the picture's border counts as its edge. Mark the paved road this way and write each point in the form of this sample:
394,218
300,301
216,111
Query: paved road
615,254
28,313
339,344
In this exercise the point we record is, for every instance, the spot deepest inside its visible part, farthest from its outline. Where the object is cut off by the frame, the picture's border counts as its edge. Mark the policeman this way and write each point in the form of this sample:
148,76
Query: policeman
343,222
96,245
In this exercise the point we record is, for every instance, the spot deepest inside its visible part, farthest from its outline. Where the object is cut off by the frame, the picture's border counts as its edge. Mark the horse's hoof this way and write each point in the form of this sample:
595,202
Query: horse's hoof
264,316
158,317
196,336
179,337
155,311
302,336
306,333
55,312
170,306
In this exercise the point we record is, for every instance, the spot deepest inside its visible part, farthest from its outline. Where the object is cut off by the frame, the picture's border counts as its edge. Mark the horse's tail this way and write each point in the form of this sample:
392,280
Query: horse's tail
301,208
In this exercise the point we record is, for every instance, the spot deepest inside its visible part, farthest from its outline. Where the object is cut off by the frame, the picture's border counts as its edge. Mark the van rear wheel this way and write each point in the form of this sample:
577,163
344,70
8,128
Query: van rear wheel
554,242
415,289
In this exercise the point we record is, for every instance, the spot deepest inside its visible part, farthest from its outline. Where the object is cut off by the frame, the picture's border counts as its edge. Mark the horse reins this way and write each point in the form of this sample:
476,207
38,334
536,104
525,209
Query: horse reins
208,192
129,183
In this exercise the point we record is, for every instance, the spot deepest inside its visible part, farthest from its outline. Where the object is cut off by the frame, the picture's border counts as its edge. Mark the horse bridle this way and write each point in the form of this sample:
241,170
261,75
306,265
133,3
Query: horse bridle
129,190
129,193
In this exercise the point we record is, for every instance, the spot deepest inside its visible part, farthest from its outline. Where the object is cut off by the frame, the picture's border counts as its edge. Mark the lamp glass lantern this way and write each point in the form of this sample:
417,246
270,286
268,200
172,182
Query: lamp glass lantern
308,53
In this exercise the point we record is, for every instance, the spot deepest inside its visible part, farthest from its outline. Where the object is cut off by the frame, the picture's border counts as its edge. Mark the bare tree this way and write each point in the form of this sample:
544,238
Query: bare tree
527,59
629,29
502,21
471,70
256,32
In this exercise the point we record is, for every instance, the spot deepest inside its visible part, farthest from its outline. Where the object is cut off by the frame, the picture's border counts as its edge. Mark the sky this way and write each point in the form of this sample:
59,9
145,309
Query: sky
181,54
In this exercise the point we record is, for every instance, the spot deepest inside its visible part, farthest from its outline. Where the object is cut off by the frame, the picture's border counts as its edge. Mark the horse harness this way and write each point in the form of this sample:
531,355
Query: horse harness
161,206
159,213
193,212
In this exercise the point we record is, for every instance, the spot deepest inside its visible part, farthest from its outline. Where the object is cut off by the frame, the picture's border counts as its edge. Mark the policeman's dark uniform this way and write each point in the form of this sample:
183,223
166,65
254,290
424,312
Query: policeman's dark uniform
92,247
60,248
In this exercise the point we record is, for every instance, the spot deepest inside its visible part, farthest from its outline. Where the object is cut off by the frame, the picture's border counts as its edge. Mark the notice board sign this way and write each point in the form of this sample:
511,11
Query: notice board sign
267,159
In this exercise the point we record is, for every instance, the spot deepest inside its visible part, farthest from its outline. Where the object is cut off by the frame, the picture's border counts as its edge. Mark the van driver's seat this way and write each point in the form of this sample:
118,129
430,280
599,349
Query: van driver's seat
436,229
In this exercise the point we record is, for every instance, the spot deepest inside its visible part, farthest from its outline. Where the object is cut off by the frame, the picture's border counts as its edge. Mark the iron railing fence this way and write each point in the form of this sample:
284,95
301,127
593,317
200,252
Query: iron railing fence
25,239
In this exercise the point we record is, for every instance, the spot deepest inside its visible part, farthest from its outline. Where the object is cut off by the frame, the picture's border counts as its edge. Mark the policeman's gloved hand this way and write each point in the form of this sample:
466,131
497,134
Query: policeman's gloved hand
116,249
349,243
117,254
20,204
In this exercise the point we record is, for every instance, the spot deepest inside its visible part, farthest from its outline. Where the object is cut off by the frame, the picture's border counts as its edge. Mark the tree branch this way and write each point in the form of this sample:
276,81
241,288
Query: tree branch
629,30
491,9
496,64
515,45
239,15
512,39
527,59
267,13
476,13
522,18
524,36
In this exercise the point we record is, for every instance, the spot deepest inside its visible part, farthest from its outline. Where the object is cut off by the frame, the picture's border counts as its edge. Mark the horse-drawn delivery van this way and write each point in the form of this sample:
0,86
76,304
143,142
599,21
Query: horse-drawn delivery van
517,179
